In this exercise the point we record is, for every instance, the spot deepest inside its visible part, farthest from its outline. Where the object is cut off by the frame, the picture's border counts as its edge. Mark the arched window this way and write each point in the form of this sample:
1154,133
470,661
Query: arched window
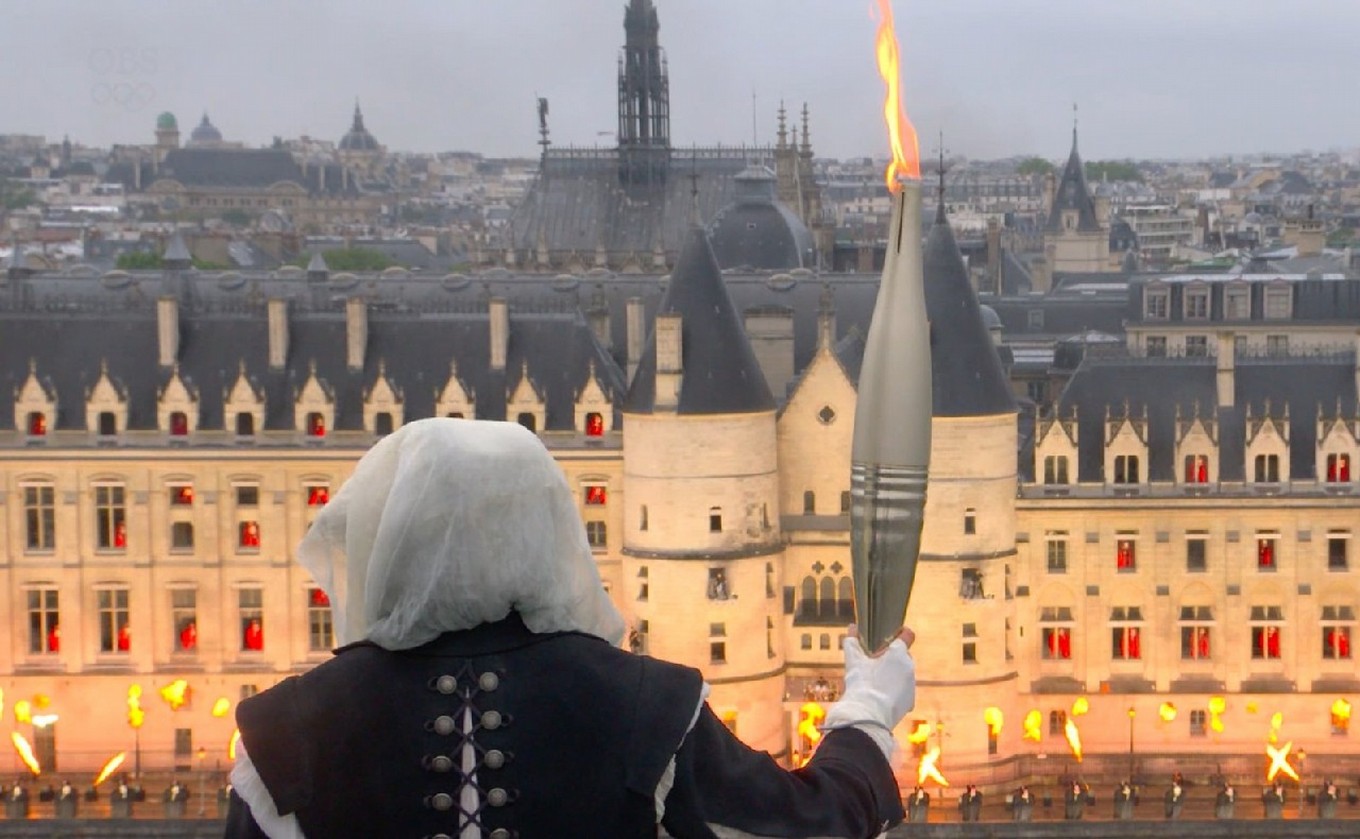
845,599
807,606
809,502
826,602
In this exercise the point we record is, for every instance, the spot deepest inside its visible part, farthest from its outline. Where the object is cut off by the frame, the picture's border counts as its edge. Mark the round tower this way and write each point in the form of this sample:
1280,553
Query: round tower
702,548
961,606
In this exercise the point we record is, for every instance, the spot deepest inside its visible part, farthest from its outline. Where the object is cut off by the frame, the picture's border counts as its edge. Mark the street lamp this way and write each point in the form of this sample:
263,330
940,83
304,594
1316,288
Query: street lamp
1132,713
1302,790
202,784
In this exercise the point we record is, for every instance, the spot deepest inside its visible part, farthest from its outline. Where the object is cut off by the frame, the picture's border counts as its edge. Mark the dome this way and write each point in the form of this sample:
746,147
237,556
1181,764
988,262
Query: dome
167,122
755,231
358,138
204,133
990,318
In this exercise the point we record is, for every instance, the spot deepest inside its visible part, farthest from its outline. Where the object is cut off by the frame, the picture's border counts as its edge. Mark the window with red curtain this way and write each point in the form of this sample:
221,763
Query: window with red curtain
1265,554
188,636
1265,641
316,425
1127,643
124,638
594,425
120,535
1336,642
318,496
252,638
596,495
1338,468
1057,642
179,424
181,496
317,597
1196,469
1124,556
37,424
54,638
249,534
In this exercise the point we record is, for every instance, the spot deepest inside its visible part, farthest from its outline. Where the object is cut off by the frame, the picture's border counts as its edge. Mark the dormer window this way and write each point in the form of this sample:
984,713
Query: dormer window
245,424
316,425
1157,303
1197,304
108,424
1196,469
37,424
179,424
1055,469
1278,303
1338,468
594,424
1126,469
1237,303
1267,469
382,424
527,420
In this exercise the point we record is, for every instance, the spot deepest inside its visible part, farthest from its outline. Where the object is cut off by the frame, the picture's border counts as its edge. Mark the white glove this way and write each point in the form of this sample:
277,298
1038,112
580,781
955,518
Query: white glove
879,691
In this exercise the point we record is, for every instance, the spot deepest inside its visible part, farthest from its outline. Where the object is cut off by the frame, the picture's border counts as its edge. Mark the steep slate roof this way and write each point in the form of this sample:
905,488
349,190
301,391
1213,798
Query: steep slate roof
1073,194
215,340
1163,384
229,167
721,375
966,373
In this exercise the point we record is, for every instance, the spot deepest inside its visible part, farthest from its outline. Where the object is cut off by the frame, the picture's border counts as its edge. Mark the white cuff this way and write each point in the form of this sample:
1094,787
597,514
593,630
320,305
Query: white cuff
247,783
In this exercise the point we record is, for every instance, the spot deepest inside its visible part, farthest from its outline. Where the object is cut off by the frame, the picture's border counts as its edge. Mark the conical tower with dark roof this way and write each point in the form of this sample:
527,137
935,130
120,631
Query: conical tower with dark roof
968,547
1074,238
701,537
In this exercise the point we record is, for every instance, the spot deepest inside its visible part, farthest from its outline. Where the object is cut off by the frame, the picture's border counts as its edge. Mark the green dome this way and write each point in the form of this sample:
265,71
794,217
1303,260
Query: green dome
166,121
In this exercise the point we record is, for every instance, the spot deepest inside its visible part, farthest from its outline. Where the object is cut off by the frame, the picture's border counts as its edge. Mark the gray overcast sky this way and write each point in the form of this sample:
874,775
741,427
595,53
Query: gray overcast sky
1154,78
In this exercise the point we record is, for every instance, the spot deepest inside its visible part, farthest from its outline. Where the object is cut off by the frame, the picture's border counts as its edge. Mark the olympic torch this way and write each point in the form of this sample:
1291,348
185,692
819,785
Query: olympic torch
890,451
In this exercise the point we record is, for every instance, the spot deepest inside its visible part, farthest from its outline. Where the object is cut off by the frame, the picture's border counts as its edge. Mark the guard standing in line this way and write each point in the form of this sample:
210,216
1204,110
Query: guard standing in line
1022,805
16,801
1175,800
1225,804
1327,799
918,806
970,804
1123,802
68,801
1273,799
1074,802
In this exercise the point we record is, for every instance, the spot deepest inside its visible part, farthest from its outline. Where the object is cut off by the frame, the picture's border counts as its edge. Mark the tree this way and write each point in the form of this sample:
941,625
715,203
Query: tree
138,261
1342,237
15,196
1034,166
1113,170
236,217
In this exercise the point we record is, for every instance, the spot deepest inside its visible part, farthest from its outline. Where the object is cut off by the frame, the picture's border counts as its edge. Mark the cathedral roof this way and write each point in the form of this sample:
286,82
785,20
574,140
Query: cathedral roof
358,138
721,375
1073,194
965,370
205,132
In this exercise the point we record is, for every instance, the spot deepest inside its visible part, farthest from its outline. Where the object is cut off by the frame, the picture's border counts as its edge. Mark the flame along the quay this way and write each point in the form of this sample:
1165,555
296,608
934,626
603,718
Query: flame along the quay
231,744
1167,712
1073,738
176,694
921,733
993,717
1034,726
1276,723
1341,713
221,707
109,768
1081,706
1217,707
928,771
812,714
906,154
136,716
25,751
1279,761
23,712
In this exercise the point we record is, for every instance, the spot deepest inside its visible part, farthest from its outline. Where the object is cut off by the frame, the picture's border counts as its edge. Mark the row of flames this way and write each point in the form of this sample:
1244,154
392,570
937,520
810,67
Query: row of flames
812,714
176,695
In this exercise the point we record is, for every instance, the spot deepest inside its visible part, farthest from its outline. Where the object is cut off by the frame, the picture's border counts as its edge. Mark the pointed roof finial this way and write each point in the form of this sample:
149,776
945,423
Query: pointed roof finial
807,135
694,189
1074,127
783,127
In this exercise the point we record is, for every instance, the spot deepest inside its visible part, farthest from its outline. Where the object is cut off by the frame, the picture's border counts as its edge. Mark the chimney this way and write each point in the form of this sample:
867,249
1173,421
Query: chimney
636,319
1227,363
499,316
167,330
993,256
598,317
278,333
771,335
669,363
356,332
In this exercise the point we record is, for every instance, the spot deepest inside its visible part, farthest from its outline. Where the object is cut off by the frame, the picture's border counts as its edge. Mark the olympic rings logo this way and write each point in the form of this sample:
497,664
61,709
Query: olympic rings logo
117,70
130,95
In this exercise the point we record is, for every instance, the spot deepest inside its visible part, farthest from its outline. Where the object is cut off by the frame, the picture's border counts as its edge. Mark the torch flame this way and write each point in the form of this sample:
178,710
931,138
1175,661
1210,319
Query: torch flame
1034,726
1073,738
1167,712
1080,706
221,707
25,751
23,711
992,716
231,744
1217,706
1279,762
906,153
1341,712
176,694
109,768
1276,721
920,733
928,769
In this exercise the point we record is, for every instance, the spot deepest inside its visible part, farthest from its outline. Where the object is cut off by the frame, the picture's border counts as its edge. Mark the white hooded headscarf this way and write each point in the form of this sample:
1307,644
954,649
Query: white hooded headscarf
451,523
